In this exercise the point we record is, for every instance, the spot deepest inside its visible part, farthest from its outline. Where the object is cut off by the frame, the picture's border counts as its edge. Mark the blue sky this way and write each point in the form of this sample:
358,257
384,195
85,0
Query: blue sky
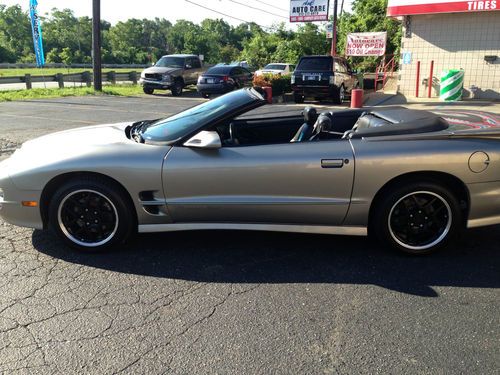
114,11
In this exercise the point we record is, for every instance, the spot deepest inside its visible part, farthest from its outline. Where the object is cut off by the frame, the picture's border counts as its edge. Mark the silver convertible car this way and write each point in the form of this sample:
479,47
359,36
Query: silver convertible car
413,179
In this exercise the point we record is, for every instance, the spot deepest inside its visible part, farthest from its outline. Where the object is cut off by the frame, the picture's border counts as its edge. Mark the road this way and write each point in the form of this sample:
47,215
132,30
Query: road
235,302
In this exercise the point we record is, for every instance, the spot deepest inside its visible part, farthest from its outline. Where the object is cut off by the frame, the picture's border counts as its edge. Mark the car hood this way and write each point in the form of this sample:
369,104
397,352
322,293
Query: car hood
101,149
160,70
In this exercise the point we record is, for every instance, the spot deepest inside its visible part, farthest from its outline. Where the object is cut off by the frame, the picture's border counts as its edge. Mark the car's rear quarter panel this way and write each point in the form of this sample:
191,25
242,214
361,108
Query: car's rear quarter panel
379,162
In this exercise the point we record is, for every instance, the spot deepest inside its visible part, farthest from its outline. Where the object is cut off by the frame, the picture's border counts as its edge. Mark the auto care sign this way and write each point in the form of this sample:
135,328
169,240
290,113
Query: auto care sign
397,8
366,44
309,10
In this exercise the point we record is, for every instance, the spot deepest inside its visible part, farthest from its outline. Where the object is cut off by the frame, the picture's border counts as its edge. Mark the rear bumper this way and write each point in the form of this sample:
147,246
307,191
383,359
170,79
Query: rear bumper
316,91
216,88
484,204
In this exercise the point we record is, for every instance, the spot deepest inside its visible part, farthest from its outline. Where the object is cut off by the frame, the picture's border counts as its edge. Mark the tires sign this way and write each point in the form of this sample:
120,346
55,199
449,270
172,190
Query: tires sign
309,10
397,8
366,44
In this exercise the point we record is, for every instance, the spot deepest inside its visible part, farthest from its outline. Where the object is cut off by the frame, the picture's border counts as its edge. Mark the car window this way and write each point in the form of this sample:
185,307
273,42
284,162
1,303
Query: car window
275,67
315,63
292,68
340,67
237,71
196,64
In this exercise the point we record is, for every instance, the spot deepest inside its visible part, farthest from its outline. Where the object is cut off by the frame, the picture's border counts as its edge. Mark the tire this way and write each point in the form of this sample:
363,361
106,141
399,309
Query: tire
177,88
148,90
81,204
418,218
339,95
206,96
298,99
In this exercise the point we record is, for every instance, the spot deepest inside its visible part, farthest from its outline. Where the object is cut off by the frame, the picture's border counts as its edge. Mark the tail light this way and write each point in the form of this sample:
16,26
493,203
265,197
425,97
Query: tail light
293,80
332,80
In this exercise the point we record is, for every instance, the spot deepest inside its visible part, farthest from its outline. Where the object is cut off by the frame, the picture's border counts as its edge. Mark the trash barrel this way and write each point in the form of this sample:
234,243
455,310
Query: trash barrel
452,84
356,98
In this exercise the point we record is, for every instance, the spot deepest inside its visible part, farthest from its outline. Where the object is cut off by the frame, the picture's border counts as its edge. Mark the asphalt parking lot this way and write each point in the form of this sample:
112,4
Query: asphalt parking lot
235,302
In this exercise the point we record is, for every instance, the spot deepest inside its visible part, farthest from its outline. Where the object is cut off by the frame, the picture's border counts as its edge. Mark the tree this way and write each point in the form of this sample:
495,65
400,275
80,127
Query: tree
15,34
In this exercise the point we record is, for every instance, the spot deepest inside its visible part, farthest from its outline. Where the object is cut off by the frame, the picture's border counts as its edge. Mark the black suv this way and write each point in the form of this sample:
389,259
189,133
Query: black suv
323,77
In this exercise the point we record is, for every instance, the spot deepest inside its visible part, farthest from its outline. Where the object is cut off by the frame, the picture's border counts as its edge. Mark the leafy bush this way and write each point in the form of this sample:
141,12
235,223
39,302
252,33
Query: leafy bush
279,83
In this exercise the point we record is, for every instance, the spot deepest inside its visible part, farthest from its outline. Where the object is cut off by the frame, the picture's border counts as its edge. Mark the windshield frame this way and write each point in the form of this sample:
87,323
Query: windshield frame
255,99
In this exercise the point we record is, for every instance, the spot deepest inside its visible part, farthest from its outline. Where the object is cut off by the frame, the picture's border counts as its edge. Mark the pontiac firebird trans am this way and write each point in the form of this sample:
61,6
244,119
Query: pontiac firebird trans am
413,179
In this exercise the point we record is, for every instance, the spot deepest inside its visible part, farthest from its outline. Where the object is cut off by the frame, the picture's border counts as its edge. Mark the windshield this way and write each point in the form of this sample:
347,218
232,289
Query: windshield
178,126
275,67
315,63
170,62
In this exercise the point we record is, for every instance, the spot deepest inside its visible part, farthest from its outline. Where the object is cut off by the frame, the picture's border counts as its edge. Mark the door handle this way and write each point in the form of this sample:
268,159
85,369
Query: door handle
332,163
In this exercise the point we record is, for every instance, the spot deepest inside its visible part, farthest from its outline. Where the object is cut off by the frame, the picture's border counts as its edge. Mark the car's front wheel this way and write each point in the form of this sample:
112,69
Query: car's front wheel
177,88
418,219
148,90
91,214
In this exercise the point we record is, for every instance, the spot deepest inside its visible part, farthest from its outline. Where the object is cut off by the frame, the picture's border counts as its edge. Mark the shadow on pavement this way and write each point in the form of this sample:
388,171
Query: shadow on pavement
262,257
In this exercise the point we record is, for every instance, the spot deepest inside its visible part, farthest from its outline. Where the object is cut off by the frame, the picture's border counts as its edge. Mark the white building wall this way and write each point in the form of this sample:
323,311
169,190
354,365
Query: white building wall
453,41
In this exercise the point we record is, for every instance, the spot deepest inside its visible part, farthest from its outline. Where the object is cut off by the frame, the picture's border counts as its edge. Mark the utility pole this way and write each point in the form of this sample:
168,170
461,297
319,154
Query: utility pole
334,39
96,44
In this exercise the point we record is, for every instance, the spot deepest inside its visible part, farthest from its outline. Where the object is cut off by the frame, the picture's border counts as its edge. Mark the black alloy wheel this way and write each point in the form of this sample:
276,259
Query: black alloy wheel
91,214
418,218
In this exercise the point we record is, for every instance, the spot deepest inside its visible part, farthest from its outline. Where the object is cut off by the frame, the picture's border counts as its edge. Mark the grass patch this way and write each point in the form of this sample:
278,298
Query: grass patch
117,90
54,71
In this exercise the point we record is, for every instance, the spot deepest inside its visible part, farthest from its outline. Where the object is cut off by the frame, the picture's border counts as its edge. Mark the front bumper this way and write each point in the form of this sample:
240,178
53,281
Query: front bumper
152,84
12,210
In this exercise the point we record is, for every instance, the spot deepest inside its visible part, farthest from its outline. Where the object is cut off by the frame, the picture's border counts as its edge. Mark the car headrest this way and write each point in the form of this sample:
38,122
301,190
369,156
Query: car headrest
324,123
310,115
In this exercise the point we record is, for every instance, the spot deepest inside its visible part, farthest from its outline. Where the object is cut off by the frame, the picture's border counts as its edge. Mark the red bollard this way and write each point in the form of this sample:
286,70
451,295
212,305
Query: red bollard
269,94
357,98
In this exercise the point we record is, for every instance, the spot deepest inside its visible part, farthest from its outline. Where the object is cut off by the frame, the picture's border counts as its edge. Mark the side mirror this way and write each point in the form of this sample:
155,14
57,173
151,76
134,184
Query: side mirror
188,66
205,139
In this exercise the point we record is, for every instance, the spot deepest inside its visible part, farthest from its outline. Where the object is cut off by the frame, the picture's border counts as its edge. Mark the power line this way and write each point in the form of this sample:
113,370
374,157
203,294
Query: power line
227,15
270,5
260,10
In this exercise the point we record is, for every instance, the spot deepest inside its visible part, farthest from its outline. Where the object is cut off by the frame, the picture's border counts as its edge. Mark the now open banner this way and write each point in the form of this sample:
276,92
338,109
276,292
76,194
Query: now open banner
366,44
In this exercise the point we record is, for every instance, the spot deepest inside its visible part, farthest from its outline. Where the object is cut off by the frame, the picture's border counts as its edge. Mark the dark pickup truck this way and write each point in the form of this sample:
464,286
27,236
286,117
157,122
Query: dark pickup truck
323,77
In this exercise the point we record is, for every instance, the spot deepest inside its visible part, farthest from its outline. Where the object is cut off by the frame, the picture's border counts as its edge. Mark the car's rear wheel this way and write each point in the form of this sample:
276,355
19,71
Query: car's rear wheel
148,90
339,95
418,219
91,214
177,88
298,98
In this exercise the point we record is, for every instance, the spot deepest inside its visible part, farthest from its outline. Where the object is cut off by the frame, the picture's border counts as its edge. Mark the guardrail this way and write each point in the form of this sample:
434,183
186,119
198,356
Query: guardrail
72,66
83,77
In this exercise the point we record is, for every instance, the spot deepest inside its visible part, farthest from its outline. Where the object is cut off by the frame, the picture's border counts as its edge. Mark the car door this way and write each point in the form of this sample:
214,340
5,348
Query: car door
291,183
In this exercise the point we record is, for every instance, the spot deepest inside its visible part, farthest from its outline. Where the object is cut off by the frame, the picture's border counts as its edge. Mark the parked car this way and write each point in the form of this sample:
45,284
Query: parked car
323,77
172,72
223,79
413,179
276,68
